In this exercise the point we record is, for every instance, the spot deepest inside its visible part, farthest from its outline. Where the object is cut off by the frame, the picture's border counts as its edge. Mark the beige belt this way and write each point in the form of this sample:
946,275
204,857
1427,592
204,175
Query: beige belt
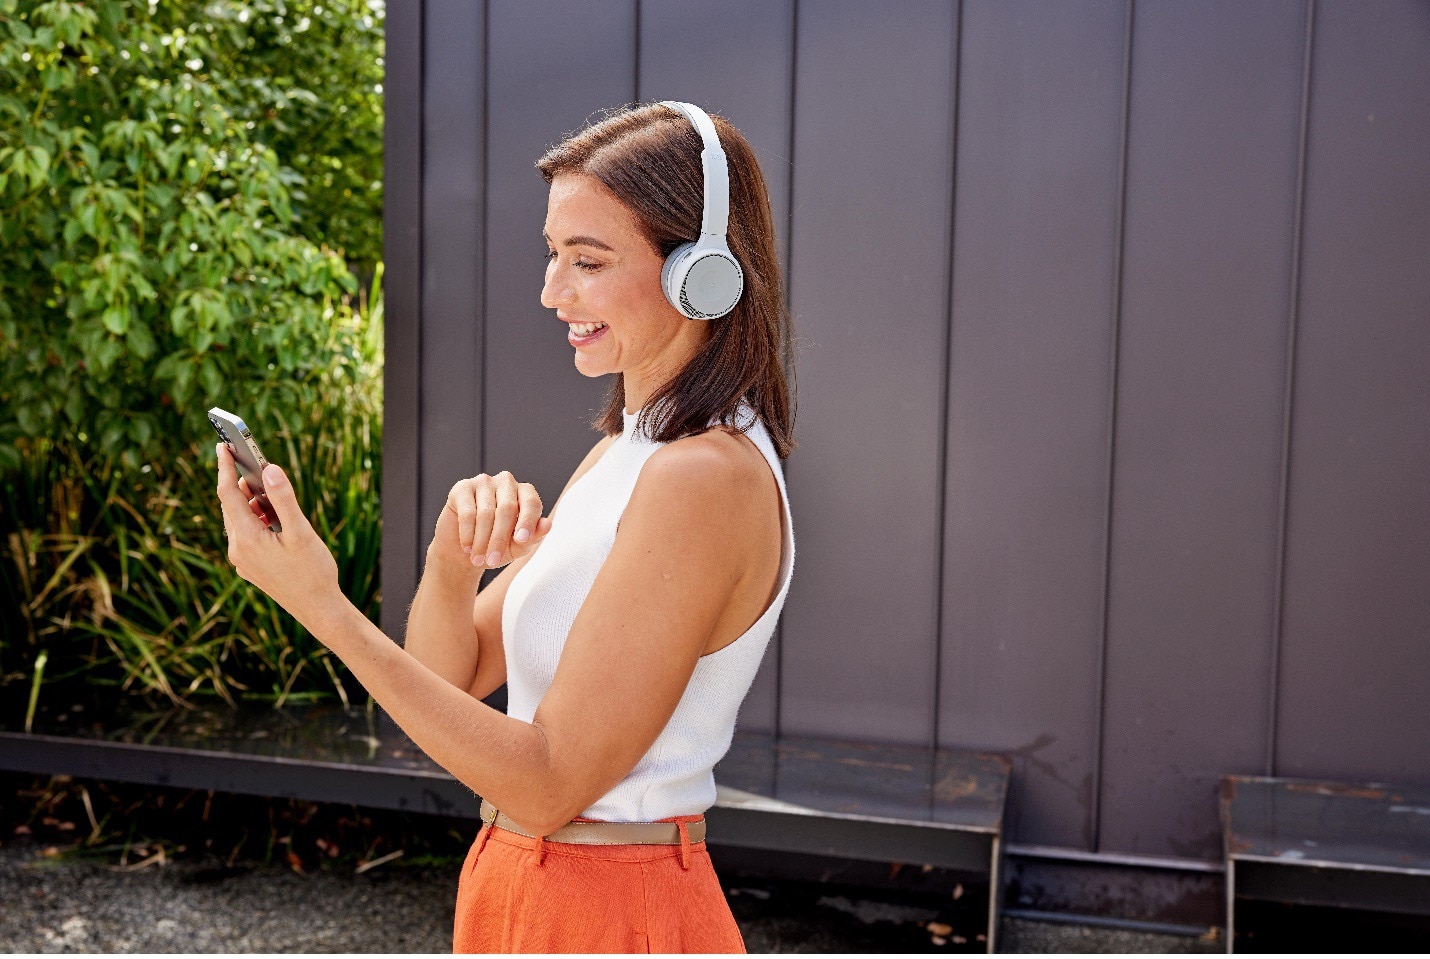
605,833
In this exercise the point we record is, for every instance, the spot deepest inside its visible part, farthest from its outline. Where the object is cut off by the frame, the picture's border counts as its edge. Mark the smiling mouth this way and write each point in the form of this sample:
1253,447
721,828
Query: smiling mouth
577,333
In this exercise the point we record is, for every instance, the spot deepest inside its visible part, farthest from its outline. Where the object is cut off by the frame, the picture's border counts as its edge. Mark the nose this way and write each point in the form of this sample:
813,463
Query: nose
556,290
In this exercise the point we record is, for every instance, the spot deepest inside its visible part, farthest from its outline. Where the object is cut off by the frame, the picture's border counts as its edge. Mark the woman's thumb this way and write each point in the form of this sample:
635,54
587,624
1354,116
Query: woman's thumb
281,496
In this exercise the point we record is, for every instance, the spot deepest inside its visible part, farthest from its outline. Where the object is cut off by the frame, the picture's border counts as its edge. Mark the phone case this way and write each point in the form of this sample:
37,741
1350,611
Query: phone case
246,455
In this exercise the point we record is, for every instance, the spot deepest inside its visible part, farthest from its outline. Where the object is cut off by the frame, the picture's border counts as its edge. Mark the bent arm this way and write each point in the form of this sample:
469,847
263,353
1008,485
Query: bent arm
676,561
500,758
459,637
439,634
456,636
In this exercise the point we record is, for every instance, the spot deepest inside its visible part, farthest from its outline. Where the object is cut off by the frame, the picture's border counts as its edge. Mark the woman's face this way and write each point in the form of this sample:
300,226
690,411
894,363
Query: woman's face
602,272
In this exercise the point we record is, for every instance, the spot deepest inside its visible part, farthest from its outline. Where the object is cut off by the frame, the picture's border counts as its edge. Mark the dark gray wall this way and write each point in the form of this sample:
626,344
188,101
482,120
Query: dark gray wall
1113,323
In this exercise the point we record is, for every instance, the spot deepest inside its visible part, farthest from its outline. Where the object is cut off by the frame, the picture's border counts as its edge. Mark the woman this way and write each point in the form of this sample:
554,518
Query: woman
630,622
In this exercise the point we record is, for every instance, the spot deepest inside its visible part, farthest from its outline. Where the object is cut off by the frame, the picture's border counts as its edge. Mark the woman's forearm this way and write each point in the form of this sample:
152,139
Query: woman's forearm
440,634
502,759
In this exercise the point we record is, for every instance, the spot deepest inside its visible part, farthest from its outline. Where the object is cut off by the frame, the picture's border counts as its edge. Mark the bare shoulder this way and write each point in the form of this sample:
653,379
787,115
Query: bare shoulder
709,491
720,465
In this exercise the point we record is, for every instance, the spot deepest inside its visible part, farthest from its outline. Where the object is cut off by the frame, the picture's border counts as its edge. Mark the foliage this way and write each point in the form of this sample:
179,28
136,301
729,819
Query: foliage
311,79
152,263
122,578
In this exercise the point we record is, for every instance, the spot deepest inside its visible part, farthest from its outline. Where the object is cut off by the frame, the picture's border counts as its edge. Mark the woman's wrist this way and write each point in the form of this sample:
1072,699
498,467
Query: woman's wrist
331,620
449,577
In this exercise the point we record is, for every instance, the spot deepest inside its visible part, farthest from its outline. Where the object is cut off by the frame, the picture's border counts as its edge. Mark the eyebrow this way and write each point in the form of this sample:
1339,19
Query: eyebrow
585,241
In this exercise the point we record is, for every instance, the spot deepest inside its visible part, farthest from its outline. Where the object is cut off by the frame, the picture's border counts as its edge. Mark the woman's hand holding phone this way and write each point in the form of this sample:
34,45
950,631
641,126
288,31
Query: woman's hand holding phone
294,567
488,522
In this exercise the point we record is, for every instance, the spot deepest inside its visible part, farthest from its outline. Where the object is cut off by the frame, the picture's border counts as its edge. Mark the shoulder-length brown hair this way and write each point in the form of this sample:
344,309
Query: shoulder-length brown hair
649,157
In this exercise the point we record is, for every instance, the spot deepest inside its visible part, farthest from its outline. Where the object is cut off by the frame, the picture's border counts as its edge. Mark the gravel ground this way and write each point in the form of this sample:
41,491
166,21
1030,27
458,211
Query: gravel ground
68,904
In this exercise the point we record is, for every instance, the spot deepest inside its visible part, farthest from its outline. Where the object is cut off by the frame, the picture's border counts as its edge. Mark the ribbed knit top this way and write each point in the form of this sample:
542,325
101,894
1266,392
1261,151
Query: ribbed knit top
674,777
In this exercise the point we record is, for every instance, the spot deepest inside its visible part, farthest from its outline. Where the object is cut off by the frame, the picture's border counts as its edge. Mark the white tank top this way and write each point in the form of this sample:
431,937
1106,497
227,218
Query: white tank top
675,777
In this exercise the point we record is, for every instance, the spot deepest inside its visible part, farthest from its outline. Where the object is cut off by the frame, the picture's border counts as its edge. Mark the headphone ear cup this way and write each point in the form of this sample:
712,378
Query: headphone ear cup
702,282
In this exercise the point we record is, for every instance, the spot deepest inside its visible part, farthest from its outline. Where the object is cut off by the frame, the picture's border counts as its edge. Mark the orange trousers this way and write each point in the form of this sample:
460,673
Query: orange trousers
519,894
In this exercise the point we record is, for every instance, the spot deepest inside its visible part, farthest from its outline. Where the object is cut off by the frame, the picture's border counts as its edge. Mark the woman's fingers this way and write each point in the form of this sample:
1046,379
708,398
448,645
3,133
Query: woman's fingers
508,506
529,518
498,519
485,500
230,499
463,502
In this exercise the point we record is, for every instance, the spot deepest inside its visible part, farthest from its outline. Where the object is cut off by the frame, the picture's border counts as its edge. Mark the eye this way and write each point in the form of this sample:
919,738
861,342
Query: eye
587,265
549,255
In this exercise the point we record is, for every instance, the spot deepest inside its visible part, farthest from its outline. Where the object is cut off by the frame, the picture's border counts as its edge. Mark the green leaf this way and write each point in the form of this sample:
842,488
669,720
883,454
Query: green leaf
74,408
140,340
107,352
89,217
210,377
179,319
141,430
116,320
112,436
30,420
39,165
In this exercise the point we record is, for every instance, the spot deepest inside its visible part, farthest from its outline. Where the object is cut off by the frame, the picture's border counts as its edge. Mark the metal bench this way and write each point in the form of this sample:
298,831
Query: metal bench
1326,844
860,801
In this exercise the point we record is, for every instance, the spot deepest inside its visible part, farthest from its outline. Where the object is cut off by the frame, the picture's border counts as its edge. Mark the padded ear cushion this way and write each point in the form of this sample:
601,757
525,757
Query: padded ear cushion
668,279
702,283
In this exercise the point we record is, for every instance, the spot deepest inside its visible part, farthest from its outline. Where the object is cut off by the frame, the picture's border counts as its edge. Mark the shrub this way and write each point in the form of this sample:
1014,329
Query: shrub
121,579
151,260
182,184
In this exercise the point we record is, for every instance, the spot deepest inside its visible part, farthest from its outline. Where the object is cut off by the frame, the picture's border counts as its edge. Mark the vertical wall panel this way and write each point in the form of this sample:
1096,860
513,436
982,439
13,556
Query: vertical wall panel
733,59
402,253
1211,173
1034,252
869,246
552,65
1355,660
451,263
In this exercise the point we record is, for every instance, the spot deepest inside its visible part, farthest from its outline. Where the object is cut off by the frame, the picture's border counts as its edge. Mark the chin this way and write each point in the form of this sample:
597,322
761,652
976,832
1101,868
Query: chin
589,370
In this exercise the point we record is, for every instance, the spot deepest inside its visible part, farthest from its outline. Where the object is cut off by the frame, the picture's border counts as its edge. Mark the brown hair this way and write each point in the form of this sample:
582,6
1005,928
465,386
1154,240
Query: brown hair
649,157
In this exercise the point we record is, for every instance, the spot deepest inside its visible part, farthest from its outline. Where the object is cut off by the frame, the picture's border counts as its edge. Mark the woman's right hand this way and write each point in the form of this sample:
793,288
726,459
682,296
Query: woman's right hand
487,522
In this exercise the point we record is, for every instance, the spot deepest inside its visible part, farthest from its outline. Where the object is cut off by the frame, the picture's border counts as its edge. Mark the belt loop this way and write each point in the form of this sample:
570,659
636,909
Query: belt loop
540,850
483,835
684,844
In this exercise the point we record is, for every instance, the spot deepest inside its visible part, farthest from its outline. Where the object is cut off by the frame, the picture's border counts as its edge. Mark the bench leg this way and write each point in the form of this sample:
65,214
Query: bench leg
995,892
1230,905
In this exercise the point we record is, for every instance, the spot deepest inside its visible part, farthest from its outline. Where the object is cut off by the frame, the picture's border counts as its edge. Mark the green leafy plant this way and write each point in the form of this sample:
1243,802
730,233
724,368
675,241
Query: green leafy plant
151,257
183,185
122,580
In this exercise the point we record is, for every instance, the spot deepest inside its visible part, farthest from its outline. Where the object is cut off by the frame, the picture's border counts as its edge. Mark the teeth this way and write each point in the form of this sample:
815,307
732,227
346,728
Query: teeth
586,329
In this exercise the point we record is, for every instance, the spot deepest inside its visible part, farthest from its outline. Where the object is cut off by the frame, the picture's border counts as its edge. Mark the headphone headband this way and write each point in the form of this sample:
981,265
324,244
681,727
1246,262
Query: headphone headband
703,280
715,219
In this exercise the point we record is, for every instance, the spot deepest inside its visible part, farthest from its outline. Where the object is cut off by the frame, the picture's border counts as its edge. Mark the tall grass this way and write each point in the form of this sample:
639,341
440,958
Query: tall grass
121,580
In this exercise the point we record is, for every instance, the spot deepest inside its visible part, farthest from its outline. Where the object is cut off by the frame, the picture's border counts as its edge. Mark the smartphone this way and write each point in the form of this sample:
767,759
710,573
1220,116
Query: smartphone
248,457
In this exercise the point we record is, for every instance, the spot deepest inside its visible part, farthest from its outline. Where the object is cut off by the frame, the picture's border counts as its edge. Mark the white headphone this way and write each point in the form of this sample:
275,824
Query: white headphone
703,280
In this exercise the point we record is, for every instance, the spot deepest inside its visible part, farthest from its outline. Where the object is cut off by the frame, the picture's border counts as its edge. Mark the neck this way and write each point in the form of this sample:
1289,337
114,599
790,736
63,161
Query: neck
639,385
